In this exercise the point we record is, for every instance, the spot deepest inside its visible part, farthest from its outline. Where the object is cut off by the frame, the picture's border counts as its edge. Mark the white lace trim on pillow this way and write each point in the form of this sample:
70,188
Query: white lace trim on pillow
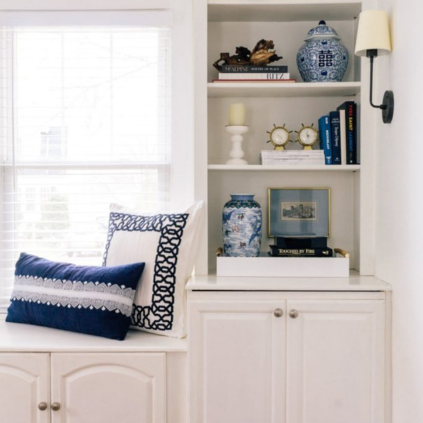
92,295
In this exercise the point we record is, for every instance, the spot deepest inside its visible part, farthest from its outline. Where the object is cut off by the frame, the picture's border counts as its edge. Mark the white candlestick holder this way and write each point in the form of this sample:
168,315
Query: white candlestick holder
236,152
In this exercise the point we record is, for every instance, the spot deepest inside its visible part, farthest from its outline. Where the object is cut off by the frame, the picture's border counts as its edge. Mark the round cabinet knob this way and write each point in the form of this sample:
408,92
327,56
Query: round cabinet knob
293,314
278,312
55,406
42,406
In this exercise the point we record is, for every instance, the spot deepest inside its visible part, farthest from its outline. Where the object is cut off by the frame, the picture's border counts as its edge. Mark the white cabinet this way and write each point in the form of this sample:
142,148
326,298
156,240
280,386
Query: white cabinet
321,361
24,384
335,361
92,379
91,388
85,388
237,367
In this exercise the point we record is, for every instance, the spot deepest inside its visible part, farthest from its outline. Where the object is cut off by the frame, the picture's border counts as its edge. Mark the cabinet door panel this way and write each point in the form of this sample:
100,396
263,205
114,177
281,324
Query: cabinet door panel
237,354
109,388
24,383
335,366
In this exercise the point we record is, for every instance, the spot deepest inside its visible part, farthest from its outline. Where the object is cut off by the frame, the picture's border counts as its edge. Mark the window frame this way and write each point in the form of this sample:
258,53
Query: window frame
179,13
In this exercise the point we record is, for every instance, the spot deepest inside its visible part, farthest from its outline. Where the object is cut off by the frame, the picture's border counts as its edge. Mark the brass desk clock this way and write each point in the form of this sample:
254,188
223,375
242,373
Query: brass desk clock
307,136
279,137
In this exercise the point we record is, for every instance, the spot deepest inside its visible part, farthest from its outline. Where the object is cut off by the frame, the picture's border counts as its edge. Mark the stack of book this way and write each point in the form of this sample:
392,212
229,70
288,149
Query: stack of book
338,135
275,251
300,247
247,73
292,157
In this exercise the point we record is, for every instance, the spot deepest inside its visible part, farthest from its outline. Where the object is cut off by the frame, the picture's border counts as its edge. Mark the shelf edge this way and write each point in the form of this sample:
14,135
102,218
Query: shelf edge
288,168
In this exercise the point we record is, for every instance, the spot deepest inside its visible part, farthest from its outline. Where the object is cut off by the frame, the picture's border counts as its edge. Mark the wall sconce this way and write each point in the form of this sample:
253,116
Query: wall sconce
373,39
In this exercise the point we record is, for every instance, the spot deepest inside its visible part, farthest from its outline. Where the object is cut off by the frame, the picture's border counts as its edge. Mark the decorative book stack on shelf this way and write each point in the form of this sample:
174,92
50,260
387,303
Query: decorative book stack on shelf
292,157
275,251
274,78
296,267
300,247
338,135
252,66
253,73
234,73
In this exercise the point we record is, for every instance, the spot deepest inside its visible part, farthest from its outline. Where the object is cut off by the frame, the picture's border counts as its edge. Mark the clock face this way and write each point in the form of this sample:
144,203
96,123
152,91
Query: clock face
307,136
279,136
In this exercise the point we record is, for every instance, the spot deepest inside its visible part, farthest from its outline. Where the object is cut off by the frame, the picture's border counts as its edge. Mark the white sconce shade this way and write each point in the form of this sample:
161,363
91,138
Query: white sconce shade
373,33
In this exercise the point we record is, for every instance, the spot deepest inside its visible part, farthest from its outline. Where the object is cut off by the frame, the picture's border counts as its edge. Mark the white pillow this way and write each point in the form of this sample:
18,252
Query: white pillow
167,243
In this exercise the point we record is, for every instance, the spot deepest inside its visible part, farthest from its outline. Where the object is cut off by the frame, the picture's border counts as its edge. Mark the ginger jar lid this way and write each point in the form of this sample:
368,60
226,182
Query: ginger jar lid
322,31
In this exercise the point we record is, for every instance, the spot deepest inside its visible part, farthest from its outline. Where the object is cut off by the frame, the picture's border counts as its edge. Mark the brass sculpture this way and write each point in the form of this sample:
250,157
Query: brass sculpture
261,55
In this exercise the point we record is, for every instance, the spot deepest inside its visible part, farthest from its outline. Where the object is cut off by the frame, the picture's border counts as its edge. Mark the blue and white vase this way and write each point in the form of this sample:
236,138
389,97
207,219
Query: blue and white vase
241,226
322,58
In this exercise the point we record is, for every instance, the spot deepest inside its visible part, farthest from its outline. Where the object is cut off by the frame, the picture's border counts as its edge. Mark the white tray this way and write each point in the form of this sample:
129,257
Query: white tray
317,267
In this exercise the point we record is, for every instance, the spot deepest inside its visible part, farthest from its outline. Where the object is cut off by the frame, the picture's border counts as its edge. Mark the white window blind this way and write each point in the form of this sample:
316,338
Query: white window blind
84,122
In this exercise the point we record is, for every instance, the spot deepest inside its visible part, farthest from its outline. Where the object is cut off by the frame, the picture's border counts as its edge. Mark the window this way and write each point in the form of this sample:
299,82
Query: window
84,122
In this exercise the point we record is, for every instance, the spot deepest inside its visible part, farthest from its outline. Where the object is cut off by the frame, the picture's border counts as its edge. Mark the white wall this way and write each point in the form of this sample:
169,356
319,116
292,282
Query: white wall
399,227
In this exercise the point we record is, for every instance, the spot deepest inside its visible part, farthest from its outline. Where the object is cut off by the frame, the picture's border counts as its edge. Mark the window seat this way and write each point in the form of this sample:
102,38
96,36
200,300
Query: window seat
16,337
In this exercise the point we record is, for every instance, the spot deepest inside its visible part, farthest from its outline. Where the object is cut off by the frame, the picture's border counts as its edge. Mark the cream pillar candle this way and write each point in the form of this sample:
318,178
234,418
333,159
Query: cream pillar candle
237,114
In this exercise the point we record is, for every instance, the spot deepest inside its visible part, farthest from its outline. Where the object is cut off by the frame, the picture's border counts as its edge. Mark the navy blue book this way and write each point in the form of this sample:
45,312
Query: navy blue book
300,252
335,133
350,130
325,141
253,69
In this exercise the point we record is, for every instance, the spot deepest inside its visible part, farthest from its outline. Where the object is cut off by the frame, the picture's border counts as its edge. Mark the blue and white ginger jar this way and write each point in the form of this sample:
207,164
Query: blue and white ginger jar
241,226
322,58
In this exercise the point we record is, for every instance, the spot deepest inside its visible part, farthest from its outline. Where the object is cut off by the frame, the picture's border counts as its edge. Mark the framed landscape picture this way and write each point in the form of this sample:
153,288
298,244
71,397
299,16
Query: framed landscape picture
299,212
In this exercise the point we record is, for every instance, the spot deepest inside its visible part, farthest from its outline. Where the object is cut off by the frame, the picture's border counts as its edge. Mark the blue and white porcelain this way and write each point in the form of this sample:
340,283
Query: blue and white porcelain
241,226
322,58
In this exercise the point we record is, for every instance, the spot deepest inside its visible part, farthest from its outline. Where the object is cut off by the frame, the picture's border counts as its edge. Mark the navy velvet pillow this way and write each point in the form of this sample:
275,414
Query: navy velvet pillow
86,299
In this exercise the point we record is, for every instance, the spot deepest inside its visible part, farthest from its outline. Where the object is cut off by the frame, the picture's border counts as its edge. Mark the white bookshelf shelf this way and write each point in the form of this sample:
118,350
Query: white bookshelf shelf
287,168
282,10
280,89
354,282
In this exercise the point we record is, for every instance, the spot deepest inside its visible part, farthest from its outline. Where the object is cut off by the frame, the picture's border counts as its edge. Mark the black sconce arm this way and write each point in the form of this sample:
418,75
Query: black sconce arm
387,105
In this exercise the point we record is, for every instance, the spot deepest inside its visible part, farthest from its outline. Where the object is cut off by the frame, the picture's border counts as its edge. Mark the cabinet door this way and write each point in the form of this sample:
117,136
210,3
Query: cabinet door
109,388
236,356
24,384
335,365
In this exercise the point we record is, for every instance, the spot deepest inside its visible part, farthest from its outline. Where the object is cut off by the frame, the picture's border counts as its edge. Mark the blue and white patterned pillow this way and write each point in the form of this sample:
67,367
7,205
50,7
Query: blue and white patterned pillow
86,299
167,244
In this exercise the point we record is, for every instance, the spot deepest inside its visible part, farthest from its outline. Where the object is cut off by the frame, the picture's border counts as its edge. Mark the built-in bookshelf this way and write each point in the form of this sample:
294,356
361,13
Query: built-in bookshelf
223,25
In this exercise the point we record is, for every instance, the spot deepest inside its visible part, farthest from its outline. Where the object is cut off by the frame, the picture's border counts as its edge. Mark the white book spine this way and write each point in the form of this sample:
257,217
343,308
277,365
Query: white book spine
290,162
293,153
302,159
267,76
316,156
